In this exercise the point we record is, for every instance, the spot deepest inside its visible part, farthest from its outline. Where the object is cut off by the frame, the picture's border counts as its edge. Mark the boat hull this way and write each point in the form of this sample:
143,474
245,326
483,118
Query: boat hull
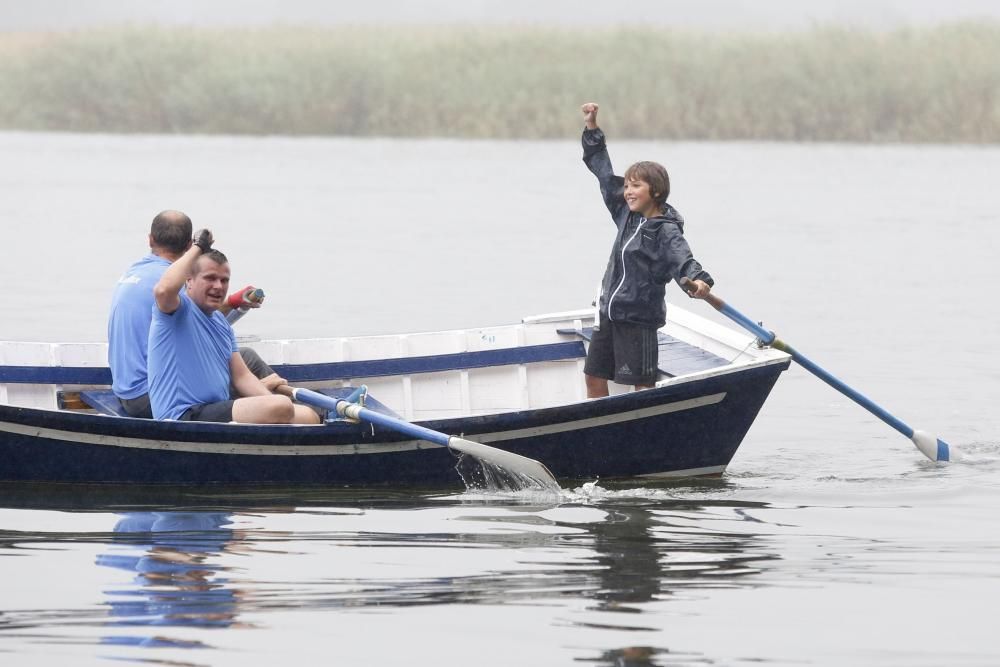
681,429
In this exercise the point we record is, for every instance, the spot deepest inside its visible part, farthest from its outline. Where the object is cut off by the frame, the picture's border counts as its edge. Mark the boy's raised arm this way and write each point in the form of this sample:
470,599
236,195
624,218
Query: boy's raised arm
595,156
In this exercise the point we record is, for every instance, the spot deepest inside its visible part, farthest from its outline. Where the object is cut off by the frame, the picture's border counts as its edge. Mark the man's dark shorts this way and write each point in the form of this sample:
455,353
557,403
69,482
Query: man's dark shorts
137,407
623,352
222,411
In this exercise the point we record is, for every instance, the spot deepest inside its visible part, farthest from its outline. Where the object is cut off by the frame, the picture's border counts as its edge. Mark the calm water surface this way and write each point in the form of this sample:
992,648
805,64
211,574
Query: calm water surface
829,541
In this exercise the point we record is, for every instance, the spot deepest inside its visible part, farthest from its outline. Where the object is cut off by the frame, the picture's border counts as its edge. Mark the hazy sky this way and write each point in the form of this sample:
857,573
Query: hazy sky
21,15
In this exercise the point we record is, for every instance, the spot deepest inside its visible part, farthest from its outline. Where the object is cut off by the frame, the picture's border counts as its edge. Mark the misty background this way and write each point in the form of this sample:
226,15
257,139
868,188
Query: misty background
701,14
874,71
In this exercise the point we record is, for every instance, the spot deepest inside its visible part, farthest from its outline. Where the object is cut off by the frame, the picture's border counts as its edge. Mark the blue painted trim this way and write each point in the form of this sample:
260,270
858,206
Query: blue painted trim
340,370
106,403
54,375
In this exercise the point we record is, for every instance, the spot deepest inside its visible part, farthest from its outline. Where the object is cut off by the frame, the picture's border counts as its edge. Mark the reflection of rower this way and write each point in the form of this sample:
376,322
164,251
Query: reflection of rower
647,556
626,549
176,583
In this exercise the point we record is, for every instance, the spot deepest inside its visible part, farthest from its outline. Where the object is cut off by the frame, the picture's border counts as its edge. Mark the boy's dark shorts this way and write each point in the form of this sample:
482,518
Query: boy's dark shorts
623,352
221,411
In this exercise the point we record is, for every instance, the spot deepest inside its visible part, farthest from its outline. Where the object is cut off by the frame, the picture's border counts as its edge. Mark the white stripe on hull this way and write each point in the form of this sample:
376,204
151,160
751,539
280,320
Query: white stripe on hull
591,422
690,472
215,447
352,448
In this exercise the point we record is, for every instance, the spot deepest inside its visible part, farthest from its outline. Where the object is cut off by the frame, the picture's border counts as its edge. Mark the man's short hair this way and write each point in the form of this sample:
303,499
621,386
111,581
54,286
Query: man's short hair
653,173
213,255
171,230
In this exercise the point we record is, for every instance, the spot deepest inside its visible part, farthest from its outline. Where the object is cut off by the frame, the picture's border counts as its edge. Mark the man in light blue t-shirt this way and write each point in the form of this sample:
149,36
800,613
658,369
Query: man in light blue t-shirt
193,355
132,311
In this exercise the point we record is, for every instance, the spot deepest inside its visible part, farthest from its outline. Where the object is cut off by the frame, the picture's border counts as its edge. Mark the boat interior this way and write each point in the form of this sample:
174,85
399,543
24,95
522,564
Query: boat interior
537,363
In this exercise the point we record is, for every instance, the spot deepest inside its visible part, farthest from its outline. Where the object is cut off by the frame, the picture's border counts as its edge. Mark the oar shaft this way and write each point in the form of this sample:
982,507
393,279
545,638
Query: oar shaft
852,394
765,336
932,447
529,470
355,411
768,338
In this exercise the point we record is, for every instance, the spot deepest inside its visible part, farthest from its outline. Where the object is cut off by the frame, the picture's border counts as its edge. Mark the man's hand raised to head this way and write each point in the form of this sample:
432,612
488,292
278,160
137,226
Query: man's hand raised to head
203,239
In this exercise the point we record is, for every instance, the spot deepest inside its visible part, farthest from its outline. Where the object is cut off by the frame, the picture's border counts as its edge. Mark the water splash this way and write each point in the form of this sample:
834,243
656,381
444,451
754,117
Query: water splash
482,476
977,453
593,492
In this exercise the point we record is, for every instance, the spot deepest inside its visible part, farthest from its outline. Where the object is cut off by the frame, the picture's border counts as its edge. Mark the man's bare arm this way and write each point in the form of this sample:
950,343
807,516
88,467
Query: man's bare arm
246,383
167,290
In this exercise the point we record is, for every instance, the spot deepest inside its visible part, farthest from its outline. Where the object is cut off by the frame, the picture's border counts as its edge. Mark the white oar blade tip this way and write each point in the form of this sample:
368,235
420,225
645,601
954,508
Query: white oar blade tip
933,448
522,465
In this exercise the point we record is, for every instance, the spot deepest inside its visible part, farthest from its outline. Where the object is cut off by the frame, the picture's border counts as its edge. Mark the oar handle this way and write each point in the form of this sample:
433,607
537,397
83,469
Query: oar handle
765,336
354,411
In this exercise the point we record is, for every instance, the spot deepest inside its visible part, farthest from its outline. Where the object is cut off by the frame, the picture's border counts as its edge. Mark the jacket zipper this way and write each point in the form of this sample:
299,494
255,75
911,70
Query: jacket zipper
642,221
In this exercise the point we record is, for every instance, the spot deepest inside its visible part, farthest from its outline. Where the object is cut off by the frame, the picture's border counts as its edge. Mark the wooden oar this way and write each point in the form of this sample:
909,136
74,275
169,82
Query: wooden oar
534,471
930,446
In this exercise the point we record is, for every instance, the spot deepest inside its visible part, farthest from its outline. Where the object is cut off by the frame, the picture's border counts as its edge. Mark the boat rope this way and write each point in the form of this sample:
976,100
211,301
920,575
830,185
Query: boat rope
743,351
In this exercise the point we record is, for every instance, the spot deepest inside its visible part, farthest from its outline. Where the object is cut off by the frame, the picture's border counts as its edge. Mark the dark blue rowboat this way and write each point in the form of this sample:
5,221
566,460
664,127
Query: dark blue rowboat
518,388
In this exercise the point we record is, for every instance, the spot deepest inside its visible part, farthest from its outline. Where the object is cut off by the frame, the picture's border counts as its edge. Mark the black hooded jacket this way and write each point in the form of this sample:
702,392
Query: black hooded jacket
648,252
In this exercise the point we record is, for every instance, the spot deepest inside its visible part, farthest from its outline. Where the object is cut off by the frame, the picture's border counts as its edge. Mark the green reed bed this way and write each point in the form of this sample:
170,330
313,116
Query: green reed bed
937,84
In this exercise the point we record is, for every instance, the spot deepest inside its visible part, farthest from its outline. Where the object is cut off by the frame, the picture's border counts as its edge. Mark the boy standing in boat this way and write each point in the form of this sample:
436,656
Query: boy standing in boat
649,251
193,355
132,311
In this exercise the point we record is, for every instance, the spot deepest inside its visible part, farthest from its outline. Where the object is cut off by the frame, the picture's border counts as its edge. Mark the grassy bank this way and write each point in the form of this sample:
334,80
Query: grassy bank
929,85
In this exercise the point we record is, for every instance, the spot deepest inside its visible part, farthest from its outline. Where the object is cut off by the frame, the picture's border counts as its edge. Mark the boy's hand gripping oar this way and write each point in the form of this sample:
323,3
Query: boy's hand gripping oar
932,447
531,469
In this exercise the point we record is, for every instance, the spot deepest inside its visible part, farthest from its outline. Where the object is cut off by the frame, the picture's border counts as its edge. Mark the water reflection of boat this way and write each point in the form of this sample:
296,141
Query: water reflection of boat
518,388
177,581
625,556
135,499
